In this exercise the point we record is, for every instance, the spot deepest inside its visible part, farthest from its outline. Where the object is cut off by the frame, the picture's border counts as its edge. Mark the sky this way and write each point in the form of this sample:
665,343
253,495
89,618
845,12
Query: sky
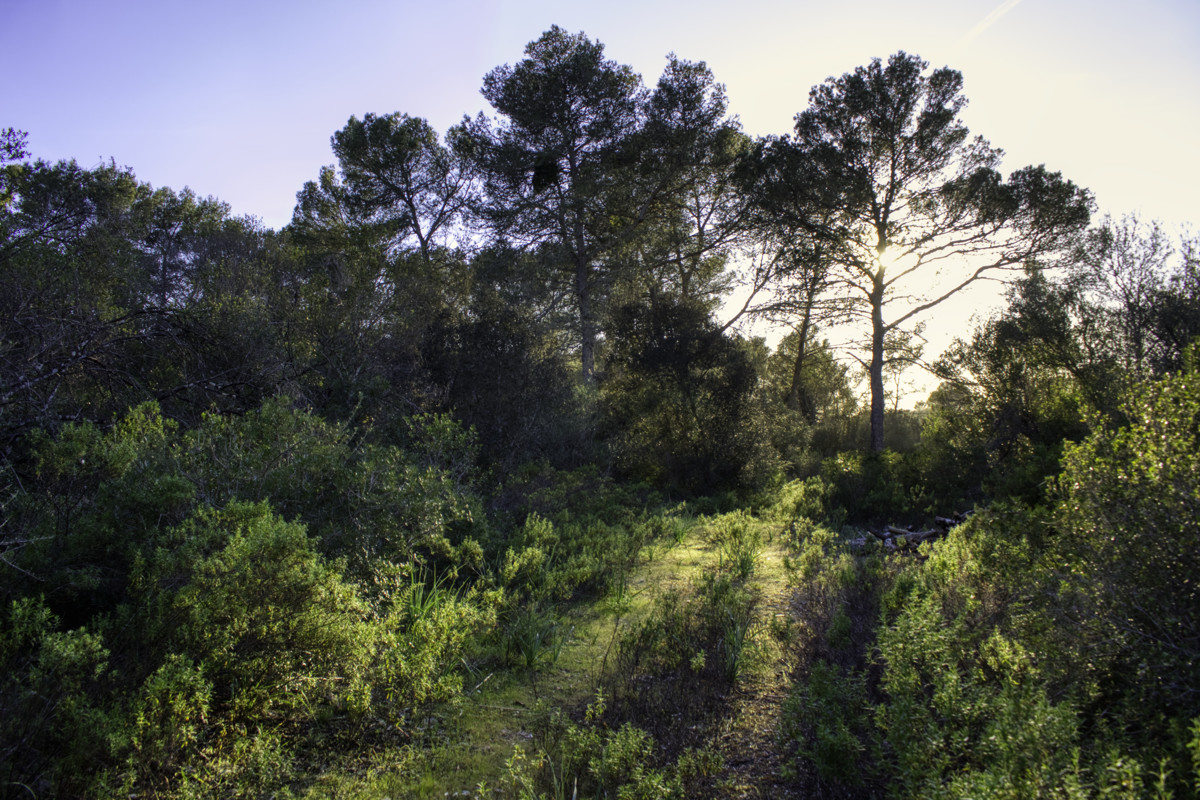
238,100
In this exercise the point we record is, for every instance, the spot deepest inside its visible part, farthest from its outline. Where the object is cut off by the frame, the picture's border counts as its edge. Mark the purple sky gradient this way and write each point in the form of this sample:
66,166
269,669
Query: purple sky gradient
238,100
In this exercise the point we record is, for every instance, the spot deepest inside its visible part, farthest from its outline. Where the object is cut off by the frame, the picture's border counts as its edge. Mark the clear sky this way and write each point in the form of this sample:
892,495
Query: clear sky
238,99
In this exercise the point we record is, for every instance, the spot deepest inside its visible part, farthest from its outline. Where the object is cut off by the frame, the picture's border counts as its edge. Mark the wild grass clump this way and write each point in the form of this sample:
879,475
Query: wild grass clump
738,539
532,638
697,641
589,758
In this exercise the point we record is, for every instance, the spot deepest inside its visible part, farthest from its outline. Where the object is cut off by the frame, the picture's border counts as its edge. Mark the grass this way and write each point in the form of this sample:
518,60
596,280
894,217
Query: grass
563,665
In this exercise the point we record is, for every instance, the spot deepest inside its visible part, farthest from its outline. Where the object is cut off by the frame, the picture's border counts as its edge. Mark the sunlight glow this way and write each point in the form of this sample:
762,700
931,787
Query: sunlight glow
887,259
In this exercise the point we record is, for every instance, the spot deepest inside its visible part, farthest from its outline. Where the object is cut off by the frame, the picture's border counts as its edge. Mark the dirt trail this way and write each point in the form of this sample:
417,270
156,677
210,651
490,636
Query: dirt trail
745,735
750,744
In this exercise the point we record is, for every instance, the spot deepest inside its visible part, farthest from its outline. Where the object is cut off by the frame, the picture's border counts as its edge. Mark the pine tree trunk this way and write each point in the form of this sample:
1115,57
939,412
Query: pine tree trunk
799,398
876,370
587,326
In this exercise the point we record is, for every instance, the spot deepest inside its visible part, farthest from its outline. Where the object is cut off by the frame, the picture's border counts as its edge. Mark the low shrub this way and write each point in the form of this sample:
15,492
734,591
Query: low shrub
802,501
693,645
738,539
589,759
826,719
54,720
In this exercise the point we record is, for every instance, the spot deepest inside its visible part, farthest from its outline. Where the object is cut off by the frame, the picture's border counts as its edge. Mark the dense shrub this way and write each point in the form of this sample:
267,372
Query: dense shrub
1039,653
590,760
424,627
695,643
53,726
828,718
802,502
274,626
1034,651
677,404
168,631
1130,544
876,487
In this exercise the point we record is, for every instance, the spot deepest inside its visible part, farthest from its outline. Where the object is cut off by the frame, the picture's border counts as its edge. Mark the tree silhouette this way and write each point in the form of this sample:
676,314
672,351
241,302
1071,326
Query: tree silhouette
907,208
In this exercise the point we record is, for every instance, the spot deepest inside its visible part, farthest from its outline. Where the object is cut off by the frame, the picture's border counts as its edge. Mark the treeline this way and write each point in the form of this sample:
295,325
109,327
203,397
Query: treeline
267,493
593,221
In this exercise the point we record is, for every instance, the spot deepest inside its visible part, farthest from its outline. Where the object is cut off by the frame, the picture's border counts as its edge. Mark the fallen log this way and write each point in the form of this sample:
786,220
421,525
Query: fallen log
894,537
906,538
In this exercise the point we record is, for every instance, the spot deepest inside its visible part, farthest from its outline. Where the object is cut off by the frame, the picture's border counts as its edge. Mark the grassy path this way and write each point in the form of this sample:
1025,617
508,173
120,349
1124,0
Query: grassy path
750,746
470,745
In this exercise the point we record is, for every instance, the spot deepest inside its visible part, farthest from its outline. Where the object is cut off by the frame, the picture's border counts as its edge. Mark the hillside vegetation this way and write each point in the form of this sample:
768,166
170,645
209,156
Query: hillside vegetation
465,483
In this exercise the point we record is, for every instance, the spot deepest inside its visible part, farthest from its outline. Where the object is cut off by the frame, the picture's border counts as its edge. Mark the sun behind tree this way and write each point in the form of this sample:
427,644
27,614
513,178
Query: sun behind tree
881,175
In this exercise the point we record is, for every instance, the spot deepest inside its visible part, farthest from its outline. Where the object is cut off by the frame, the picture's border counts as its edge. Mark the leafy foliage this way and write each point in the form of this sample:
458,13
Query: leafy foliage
184,621
678,402
1025,638
1131,530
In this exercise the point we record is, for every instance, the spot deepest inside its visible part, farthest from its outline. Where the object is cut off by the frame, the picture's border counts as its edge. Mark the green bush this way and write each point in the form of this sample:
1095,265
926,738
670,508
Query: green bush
827,718
53,716
1051,652
590,760
244,762
1129,519
692,645
677,404
563,495
100,501
531,636
274,626
802,500
425,628
169,725
876,487
553,562
738,540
